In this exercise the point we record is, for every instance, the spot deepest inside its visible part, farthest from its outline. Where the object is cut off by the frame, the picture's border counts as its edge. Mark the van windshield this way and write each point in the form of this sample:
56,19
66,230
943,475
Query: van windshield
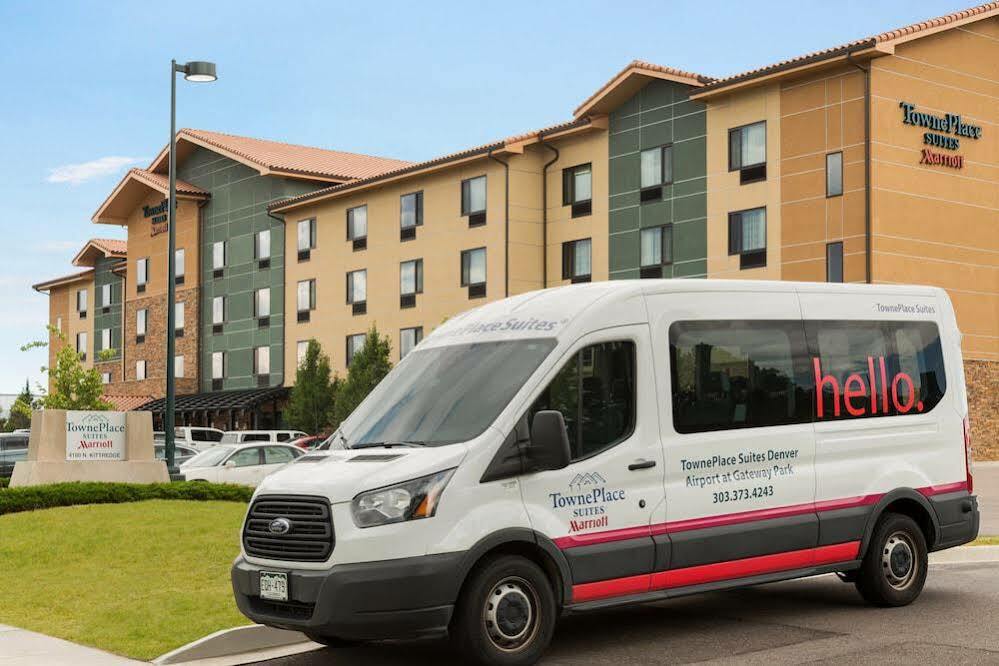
445,395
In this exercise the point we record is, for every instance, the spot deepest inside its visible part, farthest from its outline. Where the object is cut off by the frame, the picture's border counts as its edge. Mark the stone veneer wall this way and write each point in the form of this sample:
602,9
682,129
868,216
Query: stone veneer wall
982,378
154,348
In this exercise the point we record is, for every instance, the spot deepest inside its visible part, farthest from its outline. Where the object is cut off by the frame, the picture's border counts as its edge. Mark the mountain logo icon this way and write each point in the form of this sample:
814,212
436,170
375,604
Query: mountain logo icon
587,479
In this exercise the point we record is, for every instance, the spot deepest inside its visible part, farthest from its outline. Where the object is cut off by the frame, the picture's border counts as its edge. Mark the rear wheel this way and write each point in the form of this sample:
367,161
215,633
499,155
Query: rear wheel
506,613
894,568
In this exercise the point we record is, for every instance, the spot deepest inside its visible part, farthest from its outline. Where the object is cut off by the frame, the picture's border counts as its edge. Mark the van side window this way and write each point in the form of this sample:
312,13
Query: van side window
738,374
869,368
257,437
595,391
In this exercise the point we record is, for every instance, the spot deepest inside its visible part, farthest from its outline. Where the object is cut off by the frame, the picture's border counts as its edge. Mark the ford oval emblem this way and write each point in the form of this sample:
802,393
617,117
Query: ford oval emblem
279,526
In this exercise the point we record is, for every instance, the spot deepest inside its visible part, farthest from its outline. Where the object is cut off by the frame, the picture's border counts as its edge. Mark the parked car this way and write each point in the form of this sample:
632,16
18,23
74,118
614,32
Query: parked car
308,442
244,464
182,452
241,436
193,436
13,447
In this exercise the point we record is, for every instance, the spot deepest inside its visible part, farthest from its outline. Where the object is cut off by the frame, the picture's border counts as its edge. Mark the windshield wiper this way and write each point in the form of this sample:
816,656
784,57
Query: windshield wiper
387,445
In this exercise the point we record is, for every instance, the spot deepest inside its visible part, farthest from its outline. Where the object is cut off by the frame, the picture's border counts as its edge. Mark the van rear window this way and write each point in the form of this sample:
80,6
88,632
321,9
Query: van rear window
739,374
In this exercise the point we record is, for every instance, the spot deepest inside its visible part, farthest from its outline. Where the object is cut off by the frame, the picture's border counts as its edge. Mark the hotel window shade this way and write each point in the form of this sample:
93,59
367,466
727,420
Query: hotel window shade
357,223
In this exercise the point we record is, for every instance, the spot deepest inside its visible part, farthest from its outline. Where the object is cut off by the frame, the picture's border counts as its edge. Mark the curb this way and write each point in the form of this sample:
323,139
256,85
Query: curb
966,555
240,645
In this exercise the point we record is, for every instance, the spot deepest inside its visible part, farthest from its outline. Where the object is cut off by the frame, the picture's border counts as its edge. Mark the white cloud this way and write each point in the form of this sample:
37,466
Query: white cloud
79,173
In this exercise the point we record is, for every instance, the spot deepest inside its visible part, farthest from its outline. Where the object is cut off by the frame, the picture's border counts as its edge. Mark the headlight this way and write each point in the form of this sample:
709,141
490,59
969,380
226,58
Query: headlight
410,500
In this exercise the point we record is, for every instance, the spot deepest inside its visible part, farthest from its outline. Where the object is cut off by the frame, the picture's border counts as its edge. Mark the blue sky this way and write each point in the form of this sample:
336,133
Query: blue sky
85,93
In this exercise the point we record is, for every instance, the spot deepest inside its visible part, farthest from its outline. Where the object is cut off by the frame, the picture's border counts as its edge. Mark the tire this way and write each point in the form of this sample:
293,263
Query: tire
894,567
505,615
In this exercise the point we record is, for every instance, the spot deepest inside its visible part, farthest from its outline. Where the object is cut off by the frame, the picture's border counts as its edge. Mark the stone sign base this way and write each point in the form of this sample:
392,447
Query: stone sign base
47,462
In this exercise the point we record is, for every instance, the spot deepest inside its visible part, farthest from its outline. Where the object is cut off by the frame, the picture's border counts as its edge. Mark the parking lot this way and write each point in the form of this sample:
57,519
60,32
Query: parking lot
816,621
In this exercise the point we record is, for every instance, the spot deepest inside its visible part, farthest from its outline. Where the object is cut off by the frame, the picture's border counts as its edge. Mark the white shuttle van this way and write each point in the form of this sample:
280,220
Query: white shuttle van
578,448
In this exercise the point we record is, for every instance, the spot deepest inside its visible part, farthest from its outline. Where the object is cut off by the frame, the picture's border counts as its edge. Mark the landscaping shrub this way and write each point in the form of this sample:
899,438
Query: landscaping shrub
30,498
4,481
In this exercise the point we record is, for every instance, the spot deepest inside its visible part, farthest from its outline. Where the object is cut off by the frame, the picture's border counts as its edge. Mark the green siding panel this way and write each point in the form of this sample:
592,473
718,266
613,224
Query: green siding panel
107,316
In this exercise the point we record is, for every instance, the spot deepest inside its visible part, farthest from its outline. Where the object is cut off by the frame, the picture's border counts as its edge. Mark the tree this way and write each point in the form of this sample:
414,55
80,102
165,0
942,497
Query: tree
310,406
20,411
73,386
367,368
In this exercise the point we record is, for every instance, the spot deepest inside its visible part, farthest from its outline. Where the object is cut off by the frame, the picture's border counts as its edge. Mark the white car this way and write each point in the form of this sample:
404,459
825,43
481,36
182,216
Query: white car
244,436
243,464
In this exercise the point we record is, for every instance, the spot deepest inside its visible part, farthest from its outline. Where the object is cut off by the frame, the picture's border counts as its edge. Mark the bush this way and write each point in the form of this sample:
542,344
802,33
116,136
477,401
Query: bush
4,481
29,498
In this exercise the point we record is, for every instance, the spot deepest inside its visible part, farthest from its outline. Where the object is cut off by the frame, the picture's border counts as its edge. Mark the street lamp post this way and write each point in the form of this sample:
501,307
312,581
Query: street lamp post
197,71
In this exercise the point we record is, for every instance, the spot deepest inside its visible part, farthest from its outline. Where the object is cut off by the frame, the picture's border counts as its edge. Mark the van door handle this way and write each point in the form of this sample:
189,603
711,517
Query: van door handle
642,464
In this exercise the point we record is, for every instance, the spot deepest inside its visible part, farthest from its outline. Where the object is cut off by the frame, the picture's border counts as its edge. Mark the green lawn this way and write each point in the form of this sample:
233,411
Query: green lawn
138,579
986,541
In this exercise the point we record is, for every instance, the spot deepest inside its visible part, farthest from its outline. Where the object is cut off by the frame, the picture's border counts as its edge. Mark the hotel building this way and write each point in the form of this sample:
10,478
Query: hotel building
875,161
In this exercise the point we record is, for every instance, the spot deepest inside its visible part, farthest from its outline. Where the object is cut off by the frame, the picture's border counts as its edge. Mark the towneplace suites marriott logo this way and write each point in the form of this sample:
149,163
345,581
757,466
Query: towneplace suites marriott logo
95,436
945,132
587,501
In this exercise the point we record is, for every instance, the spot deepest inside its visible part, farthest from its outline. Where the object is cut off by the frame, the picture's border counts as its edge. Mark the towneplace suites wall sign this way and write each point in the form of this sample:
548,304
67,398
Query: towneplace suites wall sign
946,132
95,435
157,216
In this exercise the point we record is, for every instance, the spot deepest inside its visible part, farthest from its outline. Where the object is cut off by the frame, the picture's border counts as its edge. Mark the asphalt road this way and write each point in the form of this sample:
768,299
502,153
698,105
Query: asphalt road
816,621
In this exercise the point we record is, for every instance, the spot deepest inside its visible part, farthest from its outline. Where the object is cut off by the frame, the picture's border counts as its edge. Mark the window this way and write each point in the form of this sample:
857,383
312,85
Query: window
595,392
105,378
656,250
576,260
473,272
657,170
140,370
141,316
355,343
747,152
178,266
218,311
410,213
105,339
246,457
473,200
410,282
262,361
357,226
834,262
59,324
81,345
301,350
278,455
306,235
262,248
747,237
357,290
409,338
141,274
864,368
81,302
178,367
738,374
218,258
178,319
218,365
306,299
577,189
262,303
834,174
105,295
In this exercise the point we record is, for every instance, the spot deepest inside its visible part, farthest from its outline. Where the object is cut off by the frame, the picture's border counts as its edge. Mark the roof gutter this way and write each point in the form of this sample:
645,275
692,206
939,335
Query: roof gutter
544,208
868,245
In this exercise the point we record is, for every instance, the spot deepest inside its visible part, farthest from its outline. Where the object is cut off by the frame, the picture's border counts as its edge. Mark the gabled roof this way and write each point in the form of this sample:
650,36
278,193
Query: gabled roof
48,285
100,248
513,144
136,186
629,80
126,403
278,158
868,47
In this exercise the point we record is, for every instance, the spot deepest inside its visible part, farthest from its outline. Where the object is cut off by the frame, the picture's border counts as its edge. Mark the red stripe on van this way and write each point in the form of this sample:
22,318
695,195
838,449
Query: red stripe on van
575,540
712,573
956,487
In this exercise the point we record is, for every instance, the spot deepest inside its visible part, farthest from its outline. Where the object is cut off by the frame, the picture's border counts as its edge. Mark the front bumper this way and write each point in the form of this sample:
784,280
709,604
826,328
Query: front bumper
404,598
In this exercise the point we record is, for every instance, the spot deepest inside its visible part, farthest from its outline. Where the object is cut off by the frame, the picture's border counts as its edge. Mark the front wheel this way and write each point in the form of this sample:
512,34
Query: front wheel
506,613
894,568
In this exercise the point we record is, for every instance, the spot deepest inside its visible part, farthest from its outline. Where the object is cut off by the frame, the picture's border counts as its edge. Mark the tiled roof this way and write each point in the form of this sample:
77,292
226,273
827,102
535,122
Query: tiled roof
126,403
110,245
428,164
639,66
161,182
65,279
907,32
289,158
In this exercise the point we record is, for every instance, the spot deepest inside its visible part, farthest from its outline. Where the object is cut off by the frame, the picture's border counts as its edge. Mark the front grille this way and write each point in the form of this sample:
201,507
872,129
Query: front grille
288,610
310,538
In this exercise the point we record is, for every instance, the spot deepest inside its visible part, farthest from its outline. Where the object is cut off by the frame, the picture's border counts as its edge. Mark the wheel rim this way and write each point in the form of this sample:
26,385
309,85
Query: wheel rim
898,560
510,614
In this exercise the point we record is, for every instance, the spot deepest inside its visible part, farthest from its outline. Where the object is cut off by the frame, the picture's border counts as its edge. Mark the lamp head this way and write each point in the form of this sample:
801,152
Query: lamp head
199,71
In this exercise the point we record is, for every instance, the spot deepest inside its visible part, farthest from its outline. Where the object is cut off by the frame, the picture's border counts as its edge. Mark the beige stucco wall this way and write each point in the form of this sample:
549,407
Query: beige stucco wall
726,195
62,303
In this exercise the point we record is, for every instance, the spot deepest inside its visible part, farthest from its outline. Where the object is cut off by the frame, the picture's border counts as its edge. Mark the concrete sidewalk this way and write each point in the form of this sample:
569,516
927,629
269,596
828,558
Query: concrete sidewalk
19,647
986,475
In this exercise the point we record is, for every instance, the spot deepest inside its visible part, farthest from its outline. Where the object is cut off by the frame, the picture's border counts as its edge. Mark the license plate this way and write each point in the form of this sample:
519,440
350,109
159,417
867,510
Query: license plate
274,585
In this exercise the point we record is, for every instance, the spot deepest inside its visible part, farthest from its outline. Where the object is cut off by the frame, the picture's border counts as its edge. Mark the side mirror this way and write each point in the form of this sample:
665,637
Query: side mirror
549,441
230,463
